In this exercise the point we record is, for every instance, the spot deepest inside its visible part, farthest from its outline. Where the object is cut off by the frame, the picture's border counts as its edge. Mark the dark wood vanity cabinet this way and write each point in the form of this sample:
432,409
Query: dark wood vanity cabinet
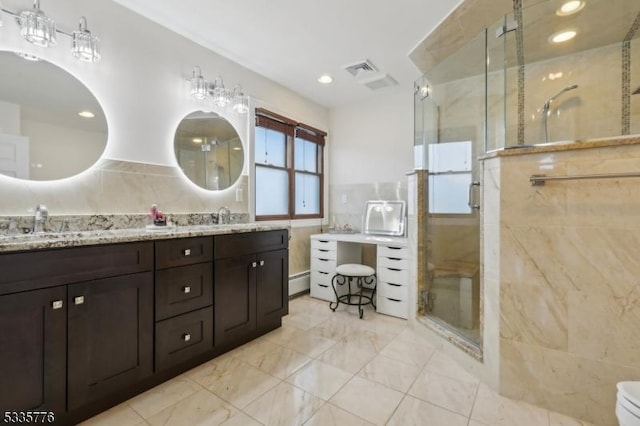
251,285
33,346
84,328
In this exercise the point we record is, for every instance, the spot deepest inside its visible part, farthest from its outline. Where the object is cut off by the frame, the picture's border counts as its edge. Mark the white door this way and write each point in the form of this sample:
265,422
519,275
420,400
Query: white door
14,156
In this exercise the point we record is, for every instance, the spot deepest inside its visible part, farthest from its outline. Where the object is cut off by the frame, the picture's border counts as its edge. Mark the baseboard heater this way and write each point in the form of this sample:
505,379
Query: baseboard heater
299,283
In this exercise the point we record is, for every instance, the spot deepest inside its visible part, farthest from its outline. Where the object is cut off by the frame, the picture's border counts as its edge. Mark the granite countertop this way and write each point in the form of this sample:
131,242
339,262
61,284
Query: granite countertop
48,240
563,146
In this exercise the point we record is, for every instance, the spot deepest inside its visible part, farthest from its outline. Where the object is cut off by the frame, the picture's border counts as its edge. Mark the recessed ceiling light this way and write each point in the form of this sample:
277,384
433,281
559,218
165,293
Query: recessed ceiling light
325,79
86,114
570,7
196,140
562,36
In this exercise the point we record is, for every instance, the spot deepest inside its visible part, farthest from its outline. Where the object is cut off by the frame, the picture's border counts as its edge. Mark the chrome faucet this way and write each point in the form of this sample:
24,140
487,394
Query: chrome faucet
222,213
41,214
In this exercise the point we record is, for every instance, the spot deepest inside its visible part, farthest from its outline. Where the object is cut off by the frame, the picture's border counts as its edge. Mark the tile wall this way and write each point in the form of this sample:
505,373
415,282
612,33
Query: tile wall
561,266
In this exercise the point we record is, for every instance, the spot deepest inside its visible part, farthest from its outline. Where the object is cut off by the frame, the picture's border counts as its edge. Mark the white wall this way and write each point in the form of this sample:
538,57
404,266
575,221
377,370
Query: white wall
141,84
9,118
372,141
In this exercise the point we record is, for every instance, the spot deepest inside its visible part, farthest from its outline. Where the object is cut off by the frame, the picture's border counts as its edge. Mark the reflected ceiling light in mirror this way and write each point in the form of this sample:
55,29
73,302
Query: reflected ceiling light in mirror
570,7
86,114
196,140
562,36
40,30
27,57
201,89
325,79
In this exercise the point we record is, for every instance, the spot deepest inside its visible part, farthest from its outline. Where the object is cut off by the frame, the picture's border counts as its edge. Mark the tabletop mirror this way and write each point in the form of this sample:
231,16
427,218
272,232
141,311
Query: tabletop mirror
384,217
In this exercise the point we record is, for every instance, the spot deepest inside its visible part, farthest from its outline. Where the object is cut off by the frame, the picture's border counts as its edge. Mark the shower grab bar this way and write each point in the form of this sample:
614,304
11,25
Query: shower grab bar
539,180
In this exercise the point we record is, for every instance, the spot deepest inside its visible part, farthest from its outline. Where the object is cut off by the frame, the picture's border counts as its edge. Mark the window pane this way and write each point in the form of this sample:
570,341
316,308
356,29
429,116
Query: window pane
450,156
271,147
449,193
307,194
272,191
306,156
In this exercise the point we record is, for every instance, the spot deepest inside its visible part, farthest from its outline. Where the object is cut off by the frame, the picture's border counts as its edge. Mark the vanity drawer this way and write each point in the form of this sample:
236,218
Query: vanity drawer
323,253
323,265
232,245
321,290
392,306
323,244
393,275
393,251
392,290
183,251
181,338
321,277
183,289
393,262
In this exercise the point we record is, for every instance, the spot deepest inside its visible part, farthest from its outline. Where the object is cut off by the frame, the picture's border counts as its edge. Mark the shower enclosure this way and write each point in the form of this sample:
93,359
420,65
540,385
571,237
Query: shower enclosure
553,72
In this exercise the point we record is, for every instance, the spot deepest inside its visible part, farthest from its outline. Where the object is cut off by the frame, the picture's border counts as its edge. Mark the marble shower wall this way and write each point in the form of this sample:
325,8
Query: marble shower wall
119,187
564,260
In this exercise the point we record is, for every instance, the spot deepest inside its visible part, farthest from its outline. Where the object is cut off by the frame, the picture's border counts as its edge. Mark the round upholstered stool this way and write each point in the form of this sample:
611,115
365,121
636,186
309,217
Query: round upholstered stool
365,279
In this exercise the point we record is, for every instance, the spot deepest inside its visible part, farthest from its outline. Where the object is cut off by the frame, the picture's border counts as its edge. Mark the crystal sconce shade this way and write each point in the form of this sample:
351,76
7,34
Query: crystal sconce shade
40,30
85,45
201,89
36,27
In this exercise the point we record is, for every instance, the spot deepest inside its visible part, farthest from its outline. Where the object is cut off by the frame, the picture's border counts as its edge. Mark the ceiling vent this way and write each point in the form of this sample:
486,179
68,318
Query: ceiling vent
361,68
368,75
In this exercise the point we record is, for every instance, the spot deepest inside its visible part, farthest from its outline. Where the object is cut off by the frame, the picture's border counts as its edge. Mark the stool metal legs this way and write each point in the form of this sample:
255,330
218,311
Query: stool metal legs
340,280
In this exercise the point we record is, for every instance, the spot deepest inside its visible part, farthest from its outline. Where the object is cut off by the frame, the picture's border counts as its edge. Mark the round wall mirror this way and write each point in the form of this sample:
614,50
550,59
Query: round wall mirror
209,150
51,125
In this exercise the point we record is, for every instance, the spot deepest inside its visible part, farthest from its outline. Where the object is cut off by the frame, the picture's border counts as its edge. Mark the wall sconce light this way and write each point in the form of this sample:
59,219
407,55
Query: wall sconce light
201,89
40,30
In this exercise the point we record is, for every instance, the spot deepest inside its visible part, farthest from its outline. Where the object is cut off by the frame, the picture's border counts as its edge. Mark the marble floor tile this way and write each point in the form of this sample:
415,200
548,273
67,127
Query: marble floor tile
409,335
409,352
347,357
120,415
395,374
234,380
320,379
284,405
369,400
442,364
202,407
282,335
241,419
334,328
157,399
305,320
447,392
330,415
280,362
414,412
310,344
495,410
372,341
253,349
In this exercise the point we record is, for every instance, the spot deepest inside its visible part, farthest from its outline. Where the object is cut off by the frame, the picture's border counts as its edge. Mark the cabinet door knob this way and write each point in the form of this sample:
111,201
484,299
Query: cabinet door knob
262,263
78,300
186,289
57,304
254,264
186,337
187,252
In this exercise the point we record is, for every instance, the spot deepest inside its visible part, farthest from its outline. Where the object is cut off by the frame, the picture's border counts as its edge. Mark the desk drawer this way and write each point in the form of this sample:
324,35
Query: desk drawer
323,253
322,291
393,262
393,251
323,244
183,289
391,290
393,275
323,265
321,277
391,306
183,251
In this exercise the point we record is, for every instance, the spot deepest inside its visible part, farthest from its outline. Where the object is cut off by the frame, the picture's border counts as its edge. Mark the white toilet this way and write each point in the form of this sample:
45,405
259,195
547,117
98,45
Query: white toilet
628,404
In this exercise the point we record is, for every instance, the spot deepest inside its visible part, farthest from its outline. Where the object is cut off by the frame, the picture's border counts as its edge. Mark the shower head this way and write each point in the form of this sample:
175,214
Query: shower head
547,103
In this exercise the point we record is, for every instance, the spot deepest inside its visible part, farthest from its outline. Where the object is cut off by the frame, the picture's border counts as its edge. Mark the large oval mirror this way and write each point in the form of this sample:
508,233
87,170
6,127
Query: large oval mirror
51,125
209,150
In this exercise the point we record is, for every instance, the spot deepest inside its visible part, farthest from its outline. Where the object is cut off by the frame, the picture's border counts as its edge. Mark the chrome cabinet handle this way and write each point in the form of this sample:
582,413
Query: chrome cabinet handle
187,252
78,300
254,264
186,289
262,263
472,204
186,337
57,304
